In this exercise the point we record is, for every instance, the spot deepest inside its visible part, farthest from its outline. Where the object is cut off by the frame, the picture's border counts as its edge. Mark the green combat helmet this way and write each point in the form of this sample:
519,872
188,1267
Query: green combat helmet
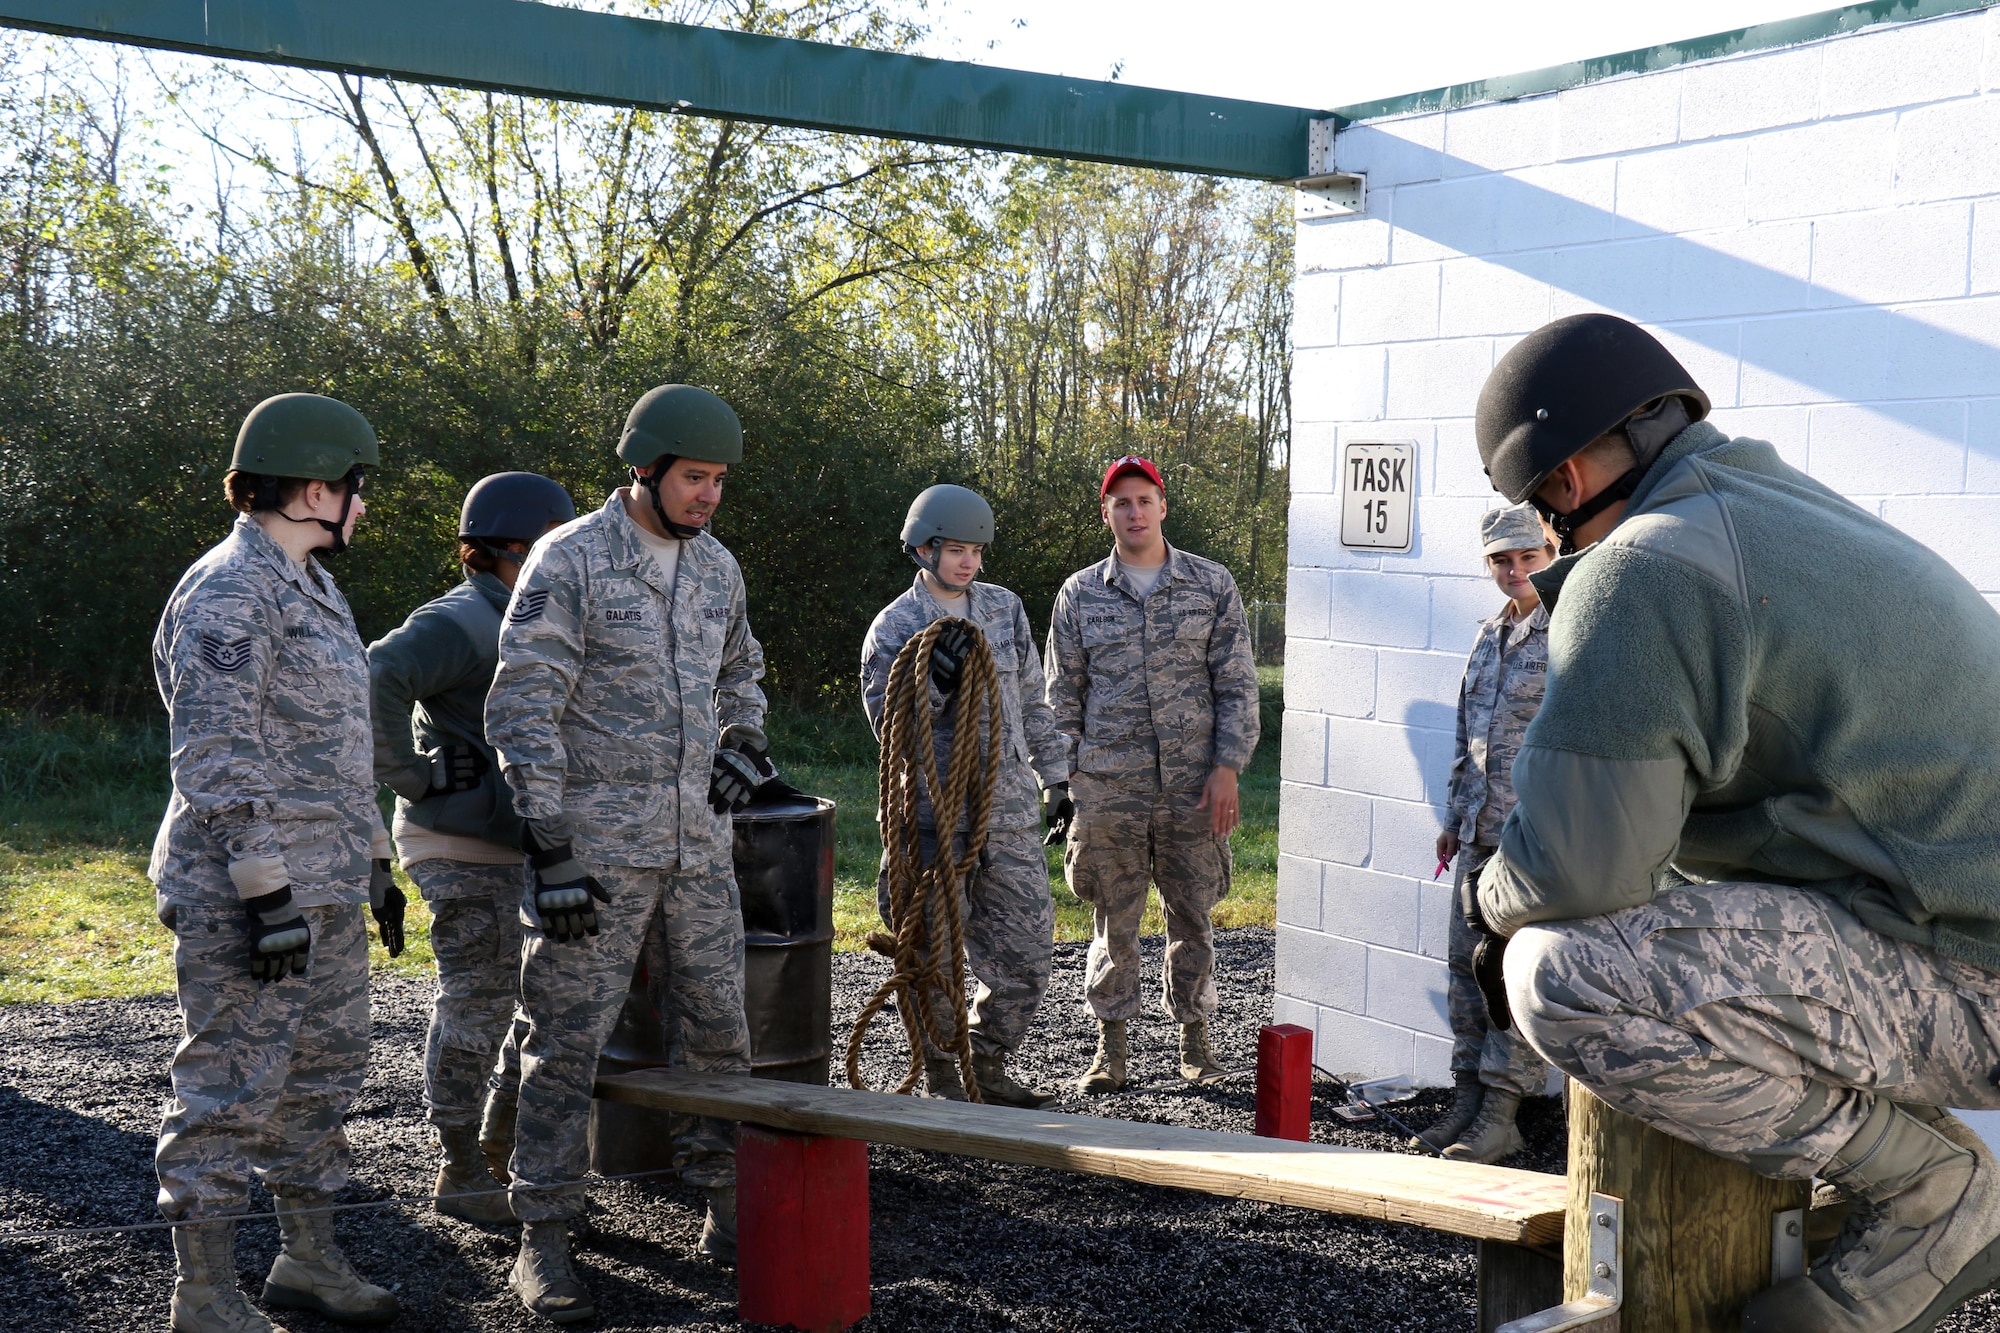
305,435
946,513
678,421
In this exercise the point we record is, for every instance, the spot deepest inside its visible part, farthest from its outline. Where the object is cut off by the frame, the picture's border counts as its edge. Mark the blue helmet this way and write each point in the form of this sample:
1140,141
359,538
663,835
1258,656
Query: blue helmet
514,507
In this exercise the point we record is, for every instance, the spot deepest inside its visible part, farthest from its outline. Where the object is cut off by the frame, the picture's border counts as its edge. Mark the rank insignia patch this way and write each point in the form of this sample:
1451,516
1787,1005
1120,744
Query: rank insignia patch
528,606
230,657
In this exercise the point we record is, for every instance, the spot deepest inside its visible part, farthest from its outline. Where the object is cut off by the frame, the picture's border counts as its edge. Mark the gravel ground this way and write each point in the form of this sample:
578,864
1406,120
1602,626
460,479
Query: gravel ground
957,1244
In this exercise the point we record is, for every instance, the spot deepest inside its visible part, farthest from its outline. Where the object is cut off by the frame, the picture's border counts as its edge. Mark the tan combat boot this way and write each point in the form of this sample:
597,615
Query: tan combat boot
206,1297
544,1279
1197,1061
998,1088
1107,1068
1467,1093
718,1227
496,1134
310,1272
1492,1134
942,1079
1923,1238
466,1188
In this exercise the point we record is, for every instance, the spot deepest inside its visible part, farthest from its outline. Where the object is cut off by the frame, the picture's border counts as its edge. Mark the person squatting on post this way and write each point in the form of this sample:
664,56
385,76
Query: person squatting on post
1750,892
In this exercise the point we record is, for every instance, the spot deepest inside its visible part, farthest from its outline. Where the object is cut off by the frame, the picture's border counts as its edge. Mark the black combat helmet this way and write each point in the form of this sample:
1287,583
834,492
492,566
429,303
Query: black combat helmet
1564,385
514,507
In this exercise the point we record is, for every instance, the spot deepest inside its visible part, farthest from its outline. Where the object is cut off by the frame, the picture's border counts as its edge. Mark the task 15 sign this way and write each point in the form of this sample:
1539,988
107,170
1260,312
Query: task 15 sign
1378,487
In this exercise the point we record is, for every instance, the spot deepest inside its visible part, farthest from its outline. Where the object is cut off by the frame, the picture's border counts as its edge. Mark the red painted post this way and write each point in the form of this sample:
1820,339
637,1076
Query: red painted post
1284,1082
801,1230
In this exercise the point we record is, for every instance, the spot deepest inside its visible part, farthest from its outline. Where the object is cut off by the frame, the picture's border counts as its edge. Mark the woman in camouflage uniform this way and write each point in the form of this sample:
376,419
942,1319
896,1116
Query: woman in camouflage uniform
1492,1069
270,847
456,828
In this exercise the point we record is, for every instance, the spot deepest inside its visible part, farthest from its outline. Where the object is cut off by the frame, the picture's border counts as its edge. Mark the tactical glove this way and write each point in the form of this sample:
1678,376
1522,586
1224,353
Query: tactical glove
454,768
280,940
1488,955
734,779
948,655
1058,812
563,888
386,903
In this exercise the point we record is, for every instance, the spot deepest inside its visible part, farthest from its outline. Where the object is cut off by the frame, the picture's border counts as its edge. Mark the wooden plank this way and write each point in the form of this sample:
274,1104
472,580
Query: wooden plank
1483,1202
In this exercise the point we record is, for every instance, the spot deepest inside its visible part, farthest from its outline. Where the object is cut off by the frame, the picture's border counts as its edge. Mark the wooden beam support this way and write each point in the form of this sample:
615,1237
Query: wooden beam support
1697,1229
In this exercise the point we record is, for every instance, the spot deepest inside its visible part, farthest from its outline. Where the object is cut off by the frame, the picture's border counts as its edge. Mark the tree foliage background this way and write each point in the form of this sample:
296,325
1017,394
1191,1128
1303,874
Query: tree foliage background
493,280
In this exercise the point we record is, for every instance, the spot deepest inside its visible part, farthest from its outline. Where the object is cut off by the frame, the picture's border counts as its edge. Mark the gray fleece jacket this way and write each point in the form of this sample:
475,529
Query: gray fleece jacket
1751,678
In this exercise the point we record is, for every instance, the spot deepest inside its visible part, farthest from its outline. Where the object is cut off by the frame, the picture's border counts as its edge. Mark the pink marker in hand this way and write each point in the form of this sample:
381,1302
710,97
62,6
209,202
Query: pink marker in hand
1443,861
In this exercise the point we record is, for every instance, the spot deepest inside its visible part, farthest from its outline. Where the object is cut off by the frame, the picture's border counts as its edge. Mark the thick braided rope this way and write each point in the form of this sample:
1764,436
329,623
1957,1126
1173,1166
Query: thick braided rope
922,896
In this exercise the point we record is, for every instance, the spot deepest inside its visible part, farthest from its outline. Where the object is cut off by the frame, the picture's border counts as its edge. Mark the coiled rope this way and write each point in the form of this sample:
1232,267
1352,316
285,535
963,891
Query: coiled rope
926,912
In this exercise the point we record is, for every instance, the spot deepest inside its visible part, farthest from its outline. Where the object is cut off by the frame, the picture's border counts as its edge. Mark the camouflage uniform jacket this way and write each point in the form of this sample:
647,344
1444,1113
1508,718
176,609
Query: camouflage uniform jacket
431,675
1028,736
1496,702
1153,695
266,686
613,689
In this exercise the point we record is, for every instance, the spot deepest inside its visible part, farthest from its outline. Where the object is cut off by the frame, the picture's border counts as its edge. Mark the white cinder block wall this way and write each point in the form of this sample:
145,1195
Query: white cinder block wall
1814,231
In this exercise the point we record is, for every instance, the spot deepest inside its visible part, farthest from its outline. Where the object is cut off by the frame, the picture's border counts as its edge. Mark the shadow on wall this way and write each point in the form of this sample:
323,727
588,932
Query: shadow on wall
1799,341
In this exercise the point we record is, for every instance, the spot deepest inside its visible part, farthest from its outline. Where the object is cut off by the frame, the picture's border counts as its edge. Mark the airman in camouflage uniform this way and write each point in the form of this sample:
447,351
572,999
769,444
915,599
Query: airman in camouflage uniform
615,691
455,825
1750,890
1008,913
1492,1069
1155,694
262,867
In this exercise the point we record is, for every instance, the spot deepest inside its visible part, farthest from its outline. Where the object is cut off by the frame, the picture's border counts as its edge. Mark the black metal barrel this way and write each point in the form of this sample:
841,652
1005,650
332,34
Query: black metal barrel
783,852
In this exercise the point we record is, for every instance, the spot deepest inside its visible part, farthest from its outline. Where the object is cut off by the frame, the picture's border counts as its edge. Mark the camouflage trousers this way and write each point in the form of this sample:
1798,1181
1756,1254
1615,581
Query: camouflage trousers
1010,929
476,937
1500,1059
1758,1021
1119,842
573,993
263,1075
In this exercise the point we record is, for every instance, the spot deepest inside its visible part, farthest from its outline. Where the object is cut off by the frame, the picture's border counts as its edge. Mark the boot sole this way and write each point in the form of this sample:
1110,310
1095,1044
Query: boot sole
1983,1272
291,1298
575,1314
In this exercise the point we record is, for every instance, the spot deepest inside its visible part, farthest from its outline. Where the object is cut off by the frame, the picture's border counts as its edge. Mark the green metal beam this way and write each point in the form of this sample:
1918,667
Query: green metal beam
520,46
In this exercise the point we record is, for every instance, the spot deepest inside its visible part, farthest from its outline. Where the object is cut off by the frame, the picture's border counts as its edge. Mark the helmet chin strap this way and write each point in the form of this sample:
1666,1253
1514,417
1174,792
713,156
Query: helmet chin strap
267,490
651,484
1648,431
930,567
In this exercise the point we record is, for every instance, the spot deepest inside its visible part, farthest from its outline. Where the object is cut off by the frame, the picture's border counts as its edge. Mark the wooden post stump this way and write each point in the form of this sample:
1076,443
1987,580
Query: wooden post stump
1697,1229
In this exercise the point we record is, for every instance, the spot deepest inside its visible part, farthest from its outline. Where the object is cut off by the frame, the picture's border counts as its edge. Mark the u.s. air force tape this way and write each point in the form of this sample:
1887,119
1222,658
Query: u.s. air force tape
528,606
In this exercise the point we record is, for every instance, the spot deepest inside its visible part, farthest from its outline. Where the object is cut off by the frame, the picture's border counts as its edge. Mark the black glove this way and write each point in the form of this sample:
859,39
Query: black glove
1488,955
735,778
949,651
280,940
386,902
454,768
1058,812
563,889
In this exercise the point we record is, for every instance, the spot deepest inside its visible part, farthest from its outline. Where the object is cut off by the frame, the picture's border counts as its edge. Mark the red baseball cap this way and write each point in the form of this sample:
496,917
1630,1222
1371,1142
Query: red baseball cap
1131,465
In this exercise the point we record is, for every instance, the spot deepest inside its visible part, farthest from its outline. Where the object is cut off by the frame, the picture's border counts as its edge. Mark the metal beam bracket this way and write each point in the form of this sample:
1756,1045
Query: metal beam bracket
1598,1310
1788,1244
1336,194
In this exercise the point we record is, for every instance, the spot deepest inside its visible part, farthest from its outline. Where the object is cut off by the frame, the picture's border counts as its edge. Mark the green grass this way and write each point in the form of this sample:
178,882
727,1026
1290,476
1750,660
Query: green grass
80,798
